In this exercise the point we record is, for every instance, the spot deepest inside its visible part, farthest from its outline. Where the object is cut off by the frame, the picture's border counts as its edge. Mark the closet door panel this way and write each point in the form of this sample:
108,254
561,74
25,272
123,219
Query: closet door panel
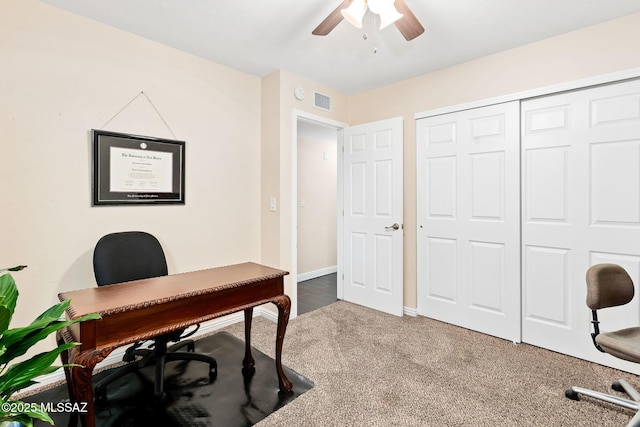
468,219
581,206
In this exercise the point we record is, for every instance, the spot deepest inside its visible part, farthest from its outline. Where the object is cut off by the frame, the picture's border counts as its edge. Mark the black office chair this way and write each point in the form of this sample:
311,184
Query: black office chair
134,255
609,285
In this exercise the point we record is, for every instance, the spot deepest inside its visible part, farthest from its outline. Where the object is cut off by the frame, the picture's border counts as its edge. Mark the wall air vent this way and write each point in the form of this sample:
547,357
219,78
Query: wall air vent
322,101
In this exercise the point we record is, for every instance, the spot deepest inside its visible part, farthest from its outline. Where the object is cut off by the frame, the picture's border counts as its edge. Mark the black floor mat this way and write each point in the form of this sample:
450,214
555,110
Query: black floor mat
231,400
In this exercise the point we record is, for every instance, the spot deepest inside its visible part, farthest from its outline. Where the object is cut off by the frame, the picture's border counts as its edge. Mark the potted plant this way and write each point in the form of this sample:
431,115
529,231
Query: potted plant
15,343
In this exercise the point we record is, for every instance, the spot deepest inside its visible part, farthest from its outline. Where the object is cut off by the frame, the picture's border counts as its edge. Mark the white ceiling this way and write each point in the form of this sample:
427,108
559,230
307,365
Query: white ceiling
261,36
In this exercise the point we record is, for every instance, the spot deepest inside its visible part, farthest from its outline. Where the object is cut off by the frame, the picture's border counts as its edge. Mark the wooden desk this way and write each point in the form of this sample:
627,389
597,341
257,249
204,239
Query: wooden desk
143,309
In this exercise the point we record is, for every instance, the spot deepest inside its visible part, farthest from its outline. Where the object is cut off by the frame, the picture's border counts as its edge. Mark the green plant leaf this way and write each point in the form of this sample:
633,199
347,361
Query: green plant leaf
53,312
40,415
15,342
16,268
52,315
20,374
18,341
22,419
8,299
25,417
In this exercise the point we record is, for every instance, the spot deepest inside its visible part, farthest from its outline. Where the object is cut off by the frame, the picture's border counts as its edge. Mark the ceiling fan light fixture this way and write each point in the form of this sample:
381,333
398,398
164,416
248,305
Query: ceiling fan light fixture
397,12
355,12
379,6
387,11
389,17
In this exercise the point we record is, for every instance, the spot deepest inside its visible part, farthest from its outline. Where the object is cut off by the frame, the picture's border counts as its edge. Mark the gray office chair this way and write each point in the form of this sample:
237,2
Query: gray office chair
134,255
609,285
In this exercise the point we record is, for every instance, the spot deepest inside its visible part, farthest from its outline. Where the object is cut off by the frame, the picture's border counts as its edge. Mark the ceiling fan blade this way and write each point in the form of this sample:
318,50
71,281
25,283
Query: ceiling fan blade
408,25
331,21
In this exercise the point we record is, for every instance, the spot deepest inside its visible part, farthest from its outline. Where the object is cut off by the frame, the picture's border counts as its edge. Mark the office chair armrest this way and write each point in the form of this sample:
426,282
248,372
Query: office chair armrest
129,354
187,335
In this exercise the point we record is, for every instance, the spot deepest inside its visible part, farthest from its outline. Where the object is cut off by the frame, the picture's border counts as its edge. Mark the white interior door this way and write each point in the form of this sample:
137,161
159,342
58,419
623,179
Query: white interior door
373,216
581,206
469,218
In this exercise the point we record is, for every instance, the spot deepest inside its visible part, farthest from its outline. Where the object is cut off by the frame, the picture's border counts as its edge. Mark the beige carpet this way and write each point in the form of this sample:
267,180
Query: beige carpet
373,369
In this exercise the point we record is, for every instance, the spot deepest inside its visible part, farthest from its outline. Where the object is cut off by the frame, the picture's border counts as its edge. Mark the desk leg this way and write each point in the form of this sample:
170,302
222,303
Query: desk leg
283,303
73,421
82,386
79,379
248,364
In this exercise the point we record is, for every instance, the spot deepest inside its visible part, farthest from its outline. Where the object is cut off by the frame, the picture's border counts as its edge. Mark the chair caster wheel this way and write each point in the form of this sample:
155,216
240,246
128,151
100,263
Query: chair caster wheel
191,347
617,387
213,371
570,394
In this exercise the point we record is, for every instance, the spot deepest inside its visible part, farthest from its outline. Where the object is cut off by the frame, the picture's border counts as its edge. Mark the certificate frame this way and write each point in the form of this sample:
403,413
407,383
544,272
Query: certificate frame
137,170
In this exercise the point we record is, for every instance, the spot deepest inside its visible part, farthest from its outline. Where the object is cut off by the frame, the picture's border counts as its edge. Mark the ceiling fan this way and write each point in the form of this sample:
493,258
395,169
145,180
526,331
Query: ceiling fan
407,22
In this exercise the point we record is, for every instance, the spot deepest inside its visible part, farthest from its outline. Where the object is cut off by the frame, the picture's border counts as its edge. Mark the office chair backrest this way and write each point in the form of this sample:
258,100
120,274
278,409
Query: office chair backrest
608,285
126,256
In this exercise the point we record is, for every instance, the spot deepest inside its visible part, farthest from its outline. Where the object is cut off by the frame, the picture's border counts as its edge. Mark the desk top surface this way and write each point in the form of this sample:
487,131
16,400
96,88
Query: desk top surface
131,295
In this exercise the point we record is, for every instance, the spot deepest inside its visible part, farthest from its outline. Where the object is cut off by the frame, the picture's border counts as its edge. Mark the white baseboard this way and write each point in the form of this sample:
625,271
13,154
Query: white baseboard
317,273
117,354
413,312
270,315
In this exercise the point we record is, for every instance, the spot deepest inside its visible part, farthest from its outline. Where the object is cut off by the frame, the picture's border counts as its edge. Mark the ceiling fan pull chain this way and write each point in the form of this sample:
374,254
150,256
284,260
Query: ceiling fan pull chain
370,21
374,24
365,26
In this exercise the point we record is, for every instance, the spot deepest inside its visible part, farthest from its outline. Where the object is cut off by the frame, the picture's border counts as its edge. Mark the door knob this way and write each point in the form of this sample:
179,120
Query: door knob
394,227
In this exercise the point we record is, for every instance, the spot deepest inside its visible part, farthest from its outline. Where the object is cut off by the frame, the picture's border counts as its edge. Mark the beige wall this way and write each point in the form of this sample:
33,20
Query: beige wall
601,49
62,75
316,197
278,142
270,169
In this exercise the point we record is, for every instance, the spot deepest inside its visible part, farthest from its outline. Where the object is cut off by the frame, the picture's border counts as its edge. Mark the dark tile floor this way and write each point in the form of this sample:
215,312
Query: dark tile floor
316,293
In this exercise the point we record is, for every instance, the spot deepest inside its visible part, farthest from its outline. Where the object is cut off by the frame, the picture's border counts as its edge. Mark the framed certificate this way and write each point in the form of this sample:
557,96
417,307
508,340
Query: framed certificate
132,169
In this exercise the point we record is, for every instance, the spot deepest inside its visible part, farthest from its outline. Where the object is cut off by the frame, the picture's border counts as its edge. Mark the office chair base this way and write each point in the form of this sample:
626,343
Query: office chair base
623,386
100,391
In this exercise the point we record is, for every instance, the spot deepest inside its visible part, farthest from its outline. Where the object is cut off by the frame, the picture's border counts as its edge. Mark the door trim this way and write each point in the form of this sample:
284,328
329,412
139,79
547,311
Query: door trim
339,126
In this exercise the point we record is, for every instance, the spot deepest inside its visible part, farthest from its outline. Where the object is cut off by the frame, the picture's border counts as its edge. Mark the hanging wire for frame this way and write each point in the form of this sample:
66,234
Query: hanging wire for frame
130,102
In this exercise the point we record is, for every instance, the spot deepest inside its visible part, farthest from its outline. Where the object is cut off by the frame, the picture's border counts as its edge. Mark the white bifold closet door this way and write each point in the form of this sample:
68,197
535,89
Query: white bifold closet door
468,219
580,206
